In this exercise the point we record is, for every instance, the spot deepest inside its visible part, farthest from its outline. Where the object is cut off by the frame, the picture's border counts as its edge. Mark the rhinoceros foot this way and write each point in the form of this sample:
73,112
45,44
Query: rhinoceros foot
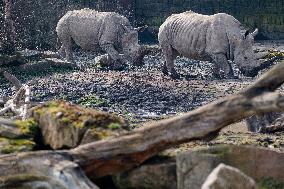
164,70
174,75
250,73
117,65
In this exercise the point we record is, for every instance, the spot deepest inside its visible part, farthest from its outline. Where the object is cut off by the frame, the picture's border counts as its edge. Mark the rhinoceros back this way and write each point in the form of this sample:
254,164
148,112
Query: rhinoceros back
198,36
90,29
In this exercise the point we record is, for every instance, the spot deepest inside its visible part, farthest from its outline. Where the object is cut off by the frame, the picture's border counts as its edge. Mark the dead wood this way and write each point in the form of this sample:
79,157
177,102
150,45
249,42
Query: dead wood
109,157
47,63
20,102
46,169
276,126
8,38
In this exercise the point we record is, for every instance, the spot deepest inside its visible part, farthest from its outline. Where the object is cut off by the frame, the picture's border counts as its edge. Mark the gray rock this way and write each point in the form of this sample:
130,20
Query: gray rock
225,177
64,125
156,175
193,167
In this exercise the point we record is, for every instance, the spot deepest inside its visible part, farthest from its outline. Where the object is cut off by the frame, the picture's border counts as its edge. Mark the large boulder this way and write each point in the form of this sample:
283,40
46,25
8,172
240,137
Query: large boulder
193,167
158,173
224,177
64,125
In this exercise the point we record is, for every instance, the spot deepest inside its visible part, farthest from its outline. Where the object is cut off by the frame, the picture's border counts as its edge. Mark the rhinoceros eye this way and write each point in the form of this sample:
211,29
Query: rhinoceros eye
246,58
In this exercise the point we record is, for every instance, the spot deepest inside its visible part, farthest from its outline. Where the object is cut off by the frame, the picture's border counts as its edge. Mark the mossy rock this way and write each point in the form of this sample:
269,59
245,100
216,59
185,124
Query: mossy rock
65,125
20,138
28,128
8,146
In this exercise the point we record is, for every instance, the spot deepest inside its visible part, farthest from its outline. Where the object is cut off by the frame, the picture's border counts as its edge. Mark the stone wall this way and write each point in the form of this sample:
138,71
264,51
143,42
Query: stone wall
267,15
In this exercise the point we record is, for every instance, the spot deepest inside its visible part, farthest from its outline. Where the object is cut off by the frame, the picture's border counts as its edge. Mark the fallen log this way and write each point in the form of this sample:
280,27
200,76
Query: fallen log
108,157
42,170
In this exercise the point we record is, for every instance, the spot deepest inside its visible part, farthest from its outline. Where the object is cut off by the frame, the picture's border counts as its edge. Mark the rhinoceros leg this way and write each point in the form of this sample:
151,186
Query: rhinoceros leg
66,49
111,51
168,66
61,51
222,68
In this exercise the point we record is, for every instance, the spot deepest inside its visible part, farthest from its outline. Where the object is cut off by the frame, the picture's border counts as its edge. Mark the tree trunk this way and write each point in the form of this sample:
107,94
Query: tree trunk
45,169
9,36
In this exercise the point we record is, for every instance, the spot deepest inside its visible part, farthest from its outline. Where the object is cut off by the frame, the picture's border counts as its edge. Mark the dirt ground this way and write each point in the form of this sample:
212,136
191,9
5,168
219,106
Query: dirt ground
142,94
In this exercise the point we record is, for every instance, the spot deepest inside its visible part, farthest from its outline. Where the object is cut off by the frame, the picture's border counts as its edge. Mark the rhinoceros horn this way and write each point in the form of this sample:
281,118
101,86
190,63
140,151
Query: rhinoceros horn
255,32
142,28
144,50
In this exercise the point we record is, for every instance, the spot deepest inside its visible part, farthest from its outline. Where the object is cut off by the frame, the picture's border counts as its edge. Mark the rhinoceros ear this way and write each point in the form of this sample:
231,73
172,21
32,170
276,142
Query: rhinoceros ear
246,33
255,32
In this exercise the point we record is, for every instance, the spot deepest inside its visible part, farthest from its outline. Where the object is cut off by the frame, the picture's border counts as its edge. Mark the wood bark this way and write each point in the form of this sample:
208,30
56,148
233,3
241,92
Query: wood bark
20,102
42,170
108,157
9,39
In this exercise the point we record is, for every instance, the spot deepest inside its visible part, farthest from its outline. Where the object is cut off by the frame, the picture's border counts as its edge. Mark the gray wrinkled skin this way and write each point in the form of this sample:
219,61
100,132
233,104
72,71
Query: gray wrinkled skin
93,30
216,38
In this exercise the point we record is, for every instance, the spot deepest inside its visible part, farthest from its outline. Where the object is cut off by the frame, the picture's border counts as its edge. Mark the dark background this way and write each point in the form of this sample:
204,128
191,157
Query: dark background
36,19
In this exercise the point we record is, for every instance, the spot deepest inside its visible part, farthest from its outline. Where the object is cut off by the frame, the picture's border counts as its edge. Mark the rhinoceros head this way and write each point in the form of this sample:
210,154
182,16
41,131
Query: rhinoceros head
244,56
131,48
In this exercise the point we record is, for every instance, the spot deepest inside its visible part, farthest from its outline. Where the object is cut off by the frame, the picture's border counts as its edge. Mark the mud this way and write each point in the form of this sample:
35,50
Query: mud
137,93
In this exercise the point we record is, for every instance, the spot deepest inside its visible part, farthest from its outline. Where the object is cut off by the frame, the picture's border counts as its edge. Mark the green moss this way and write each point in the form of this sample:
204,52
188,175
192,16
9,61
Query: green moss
92,100
114,126
28,127
100,134
21,178
8,146
270,183
77,116
16,181
273,54
222,151
65,120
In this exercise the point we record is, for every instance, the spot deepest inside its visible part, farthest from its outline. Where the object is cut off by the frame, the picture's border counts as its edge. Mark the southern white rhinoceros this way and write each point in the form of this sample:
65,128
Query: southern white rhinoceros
218,38
93,30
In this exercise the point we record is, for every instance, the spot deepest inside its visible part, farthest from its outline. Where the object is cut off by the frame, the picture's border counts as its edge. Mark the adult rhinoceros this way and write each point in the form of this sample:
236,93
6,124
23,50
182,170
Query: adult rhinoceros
93,30
216,38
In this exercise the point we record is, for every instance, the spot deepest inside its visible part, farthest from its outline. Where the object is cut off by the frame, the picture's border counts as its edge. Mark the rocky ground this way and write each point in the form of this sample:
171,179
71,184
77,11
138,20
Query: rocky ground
138,94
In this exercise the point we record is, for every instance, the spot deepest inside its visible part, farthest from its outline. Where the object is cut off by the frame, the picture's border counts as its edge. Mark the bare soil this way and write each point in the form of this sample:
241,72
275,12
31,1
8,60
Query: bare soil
144,94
